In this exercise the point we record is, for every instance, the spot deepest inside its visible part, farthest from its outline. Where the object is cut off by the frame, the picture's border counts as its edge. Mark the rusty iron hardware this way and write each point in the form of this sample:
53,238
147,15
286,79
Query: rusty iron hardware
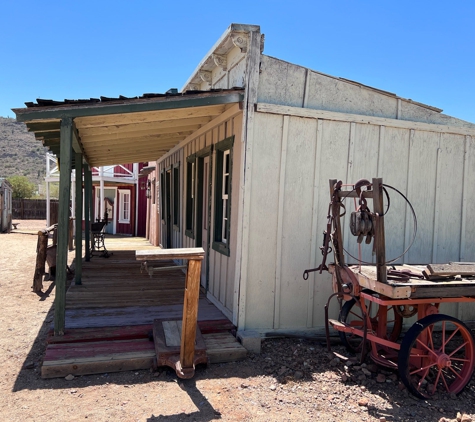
403,275
325,248
361,220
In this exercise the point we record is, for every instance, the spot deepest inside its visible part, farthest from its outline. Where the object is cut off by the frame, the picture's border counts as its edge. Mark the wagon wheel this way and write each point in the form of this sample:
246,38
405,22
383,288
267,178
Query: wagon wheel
437,353
352,314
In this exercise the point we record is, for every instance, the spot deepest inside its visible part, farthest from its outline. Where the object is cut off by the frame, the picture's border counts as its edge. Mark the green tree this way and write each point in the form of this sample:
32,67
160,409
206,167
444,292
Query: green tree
22,187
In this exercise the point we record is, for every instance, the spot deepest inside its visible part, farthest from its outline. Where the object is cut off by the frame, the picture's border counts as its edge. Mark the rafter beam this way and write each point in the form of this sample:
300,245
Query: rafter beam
132,136
152,116
152,127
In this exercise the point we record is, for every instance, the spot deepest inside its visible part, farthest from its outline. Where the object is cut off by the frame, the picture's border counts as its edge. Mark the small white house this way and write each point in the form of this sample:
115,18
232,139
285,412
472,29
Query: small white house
6,192
252,185
243,156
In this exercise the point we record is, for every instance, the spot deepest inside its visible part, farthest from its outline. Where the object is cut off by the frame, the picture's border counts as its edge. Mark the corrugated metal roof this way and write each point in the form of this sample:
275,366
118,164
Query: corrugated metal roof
122,129
173,92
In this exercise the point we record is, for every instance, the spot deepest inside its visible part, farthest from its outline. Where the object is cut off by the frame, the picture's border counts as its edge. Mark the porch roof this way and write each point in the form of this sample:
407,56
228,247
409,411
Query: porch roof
124,130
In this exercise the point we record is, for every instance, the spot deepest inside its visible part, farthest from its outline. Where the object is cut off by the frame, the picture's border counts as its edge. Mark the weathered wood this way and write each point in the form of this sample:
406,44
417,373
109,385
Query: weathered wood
190,314
223,347
40,262
447,270
63,221
172,330
379,237
348,117
87,211
169,354
71,234
78,214
178,253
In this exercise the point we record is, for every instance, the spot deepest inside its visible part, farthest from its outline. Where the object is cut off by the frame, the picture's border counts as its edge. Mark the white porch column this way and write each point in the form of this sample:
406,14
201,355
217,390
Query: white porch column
101,197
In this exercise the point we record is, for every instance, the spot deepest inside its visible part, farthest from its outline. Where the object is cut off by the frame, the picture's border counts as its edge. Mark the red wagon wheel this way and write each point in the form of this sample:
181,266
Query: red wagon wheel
437,354
352,314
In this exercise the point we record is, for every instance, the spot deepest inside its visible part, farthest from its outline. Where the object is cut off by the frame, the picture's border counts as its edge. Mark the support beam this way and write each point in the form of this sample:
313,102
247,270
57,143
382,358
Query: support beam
79,202
87,210
63,224
101,193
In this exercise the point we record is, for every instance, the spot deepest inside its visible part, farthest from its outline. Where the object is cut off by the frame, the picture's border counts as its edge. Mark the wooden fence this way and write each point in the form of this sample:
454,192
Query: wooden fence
34,209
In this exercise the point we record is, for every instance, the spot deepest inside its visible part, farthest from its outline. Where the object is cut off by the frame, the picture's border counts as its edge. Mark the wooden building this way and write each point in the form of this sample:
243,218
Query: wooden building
242,160
6,192
117,190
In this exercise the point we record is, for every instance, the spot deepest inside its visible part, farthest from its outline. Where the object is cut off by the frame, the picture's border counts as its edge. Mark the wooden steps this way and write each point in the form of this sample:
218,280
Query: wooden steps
109,318
85,351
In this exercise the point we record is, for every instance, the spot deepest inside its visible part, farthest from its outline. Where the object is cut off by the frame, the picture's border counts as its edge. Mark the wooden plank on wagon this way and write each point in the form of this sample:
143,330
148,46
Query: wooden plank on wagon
451,270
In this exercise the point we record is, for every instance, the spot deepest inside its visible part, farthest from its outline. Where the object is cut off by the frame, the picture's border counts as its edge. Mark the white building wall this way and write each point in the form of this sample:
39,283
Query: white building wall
222,286
293,159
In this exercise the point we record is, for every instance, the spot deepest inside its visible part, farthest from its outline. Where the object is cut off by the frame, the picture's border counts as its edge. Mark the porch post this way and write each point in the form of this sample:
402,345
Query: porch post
66,137
87,210
78,268
48,206
101,203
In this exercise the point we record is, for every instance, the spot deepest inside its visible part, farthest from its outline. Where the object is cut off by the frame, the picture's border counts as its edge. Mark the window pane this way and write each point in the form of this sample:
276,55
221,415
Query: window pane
226,185
226,162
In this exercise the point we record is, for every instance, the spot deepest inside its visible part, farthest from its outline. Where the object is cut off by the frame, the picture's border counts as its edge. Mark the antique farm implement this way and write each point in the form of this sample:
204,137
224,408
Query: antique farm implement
437,353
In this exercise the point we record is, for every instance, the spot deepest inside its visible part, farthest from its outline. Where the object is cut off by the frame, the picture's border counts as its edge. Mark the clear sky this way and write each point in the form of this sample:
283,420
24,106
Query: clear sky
419,49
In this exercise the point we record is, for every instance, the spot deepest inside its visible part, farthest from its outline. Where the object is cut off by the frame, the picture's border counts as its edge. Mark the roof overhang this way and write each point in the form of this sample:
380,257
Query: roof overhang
146,171
127,130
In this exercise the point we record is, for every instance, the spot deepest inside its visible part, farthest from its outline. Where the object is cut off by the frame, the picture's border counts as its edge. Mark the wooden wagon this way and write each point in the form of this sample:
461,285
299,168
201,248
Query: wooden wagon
437,353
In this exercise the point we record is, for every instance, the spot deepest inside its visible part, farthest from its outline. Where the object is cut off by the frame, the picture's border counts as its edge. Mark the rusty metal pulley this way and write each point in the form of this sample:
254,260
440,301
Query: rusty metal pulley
361,220
361,225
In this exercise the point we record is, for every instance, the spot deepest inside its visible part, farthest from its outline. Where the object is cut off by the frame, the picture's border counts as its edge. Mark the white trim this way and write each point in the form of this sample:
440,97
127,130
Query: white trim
122,194
357,118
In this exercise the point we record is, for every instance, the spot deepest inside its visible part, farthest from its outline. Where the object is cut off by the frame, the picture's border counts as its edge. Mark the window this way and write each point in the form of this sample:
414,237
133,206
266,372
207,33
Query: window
222,194
176,196
190,195
124,206
162,192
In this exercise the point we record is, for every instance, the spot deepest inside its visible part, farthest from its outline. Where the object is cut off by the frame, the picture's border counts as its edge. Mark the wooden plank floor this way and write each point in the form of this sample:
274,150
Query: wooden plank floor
109,317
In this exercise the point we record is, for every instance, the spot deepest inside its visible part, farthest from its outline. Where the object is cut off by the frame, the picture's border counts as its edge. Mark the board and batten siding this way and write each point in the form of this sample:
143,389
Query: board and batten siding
221,268
293,159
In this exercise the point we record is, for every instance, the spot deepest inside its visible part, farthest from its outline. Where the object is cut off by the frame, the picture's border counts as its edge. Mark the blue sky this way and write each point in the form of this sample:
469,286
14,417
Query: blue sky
423,50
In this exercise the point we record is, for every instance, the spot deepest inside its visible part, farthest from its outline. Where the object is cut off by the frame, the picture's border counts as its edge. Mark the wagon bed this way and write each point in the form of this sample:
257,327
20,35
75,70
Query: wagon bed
414,288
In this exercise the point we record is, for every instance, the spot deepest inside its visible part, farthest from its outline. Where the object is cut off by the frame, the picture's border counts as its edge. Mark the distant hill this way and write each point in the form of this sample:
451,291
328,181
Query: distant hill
20,153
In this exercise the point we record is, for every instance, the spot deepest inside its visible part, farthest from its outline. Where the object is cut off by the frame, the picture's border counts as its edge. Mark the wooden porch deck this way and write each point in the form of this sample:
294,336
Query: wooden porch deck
109,317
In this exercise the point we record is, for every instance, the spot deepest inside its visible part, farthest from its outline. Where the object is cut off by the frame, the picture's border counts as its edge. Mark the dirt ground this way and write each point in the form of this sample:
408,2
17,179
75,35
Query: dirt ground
291,380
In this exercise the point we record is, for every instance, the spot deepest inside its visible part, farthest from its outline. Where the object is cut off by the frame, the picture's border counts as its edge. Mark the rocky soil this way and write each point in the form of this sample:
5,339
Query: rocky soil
293,379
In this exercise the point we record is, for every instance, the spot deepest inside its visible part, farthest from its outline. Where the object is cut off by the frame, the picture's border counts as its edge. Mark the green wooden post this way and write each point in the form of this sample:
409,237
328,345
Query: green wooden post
78,268
66,135
87,210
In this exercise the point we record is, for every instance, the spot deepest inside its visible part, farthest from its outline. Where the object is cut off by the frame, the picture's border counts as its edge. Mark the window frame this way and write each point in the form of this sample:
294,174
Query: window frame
223,196
176,196
190,196
122,194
